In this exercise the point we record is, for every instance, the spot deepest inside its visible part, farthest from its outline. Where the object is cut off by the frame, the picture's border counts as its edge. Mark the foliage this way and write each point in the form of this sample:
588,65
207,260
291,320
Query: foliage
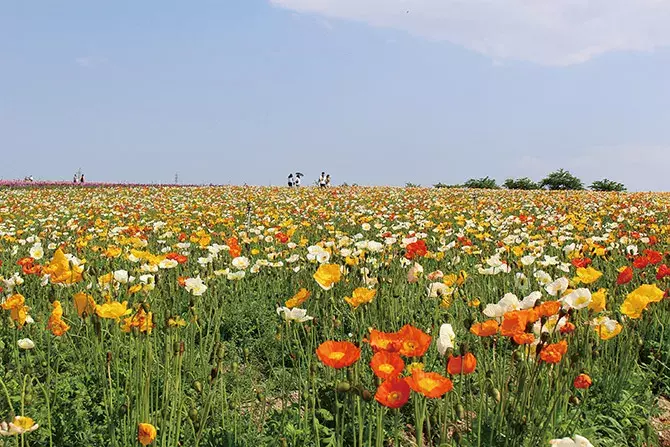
481,183
445,185
561,180
607,185
523,183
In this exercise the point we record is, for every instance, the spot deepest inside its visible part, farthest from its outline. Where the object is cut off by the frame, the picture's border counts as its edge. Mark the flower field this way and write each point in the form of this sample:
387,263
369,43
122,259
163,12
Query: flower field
235,316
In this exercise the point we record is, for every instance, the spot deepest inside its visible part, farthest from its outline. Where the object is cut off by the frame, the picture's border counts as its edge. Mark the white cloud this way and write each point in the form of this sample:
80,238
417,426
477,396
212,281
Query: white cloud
558,32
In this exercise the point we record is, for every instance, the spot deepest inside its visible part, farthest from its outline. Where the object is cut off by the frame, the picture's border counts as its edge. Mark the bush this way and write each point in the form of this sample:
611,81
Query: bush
444,185
561,180
481,183
607,185
520,183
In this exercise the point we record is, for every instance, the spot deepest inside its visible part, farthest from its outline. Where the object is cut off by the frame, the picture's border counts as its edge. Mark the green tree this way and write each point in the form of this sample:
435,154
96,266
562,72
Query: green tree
561,180
607,185
481,183
520,183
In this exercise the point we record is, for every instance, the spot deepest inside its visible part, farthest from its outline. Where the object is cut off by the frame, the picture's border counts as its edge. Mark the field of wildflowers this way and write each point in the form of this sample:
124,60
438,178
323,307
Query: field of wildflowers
235,316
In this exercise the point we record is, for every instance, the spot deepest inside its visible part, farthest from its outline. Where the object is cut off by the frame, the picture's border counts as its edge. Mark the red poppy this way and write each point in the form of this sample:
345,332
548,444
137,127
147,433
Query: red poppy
662,272
182,281
414,342
463,364
430,384
581,262
582,381
282,237
653,256
416,249
387,364
338,354
393,393
641,262
625,276
181,259
25,261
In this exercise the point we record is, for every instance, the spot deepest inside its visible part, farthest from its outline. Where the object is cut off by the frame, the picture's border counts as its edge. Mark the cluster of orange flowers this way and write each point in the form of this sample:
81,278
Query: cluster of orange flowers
387,364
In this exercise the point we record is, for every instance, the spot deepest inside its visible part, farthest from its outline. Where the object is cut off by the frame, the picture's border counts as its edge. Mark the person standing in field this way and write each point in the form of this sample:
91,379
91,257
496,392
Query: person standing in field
297,181
290,180
322,180
327,180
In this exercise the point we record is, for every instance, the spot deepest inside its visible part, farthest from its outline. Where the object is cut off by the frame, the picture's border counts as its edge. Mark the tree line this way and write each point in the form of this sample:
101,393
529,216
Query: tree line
560,180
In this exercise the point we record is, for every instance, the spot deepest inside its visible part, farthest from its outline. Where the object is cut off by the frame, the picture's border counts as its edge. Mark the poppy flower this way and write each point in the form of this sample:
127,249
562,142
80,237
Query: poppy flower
393,393
146,433
588,275
112,310
298,298
598,300
360,296
524,339
554,352
581,262
582,381
416,249
414,342
662,272
485,329
653,256
55,323
567,328
641,262
430,384
386,365
463,364
384,341
338,354
327,275
549,308
625,276
515,322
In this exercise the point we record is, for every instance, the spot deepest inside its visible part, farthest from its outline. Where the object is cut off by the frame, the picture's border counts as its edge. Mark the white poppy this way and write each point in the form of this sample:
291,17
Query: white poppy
446,339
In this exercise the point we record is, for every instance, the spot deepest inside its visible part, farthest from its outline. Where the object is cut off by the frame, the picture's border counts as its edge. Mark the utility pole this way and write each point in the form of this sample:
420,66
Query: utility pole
176,178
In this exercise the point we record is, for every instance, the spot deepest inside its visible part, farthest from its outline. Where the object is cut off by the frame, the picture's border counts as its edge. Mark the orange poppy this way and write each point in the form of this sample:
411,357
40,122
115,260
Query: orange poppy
548,308
554,352
393,393
384,341
582,381
387,364
338,354
524,339
414,341
485,329
514,323
430,384
464,364
568,328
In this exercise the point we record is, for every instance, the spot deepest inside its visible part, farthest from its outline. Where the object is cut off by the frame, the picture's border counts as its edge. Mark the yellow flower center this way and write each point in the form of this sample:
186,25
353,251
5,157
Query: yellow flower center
24,422
336,355
386,368
394,396
428,384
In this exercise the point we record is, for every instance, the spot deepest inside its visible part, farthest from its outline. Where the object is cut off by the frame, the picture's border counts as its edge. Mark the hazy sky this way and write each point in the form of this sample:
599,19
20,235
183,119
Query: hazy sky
372,91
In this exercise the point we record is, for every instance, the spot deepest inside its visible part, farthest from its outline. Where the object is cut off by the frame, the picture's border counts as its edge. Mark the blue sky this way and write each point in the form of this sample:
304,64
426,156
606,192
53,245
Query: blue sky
372,91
